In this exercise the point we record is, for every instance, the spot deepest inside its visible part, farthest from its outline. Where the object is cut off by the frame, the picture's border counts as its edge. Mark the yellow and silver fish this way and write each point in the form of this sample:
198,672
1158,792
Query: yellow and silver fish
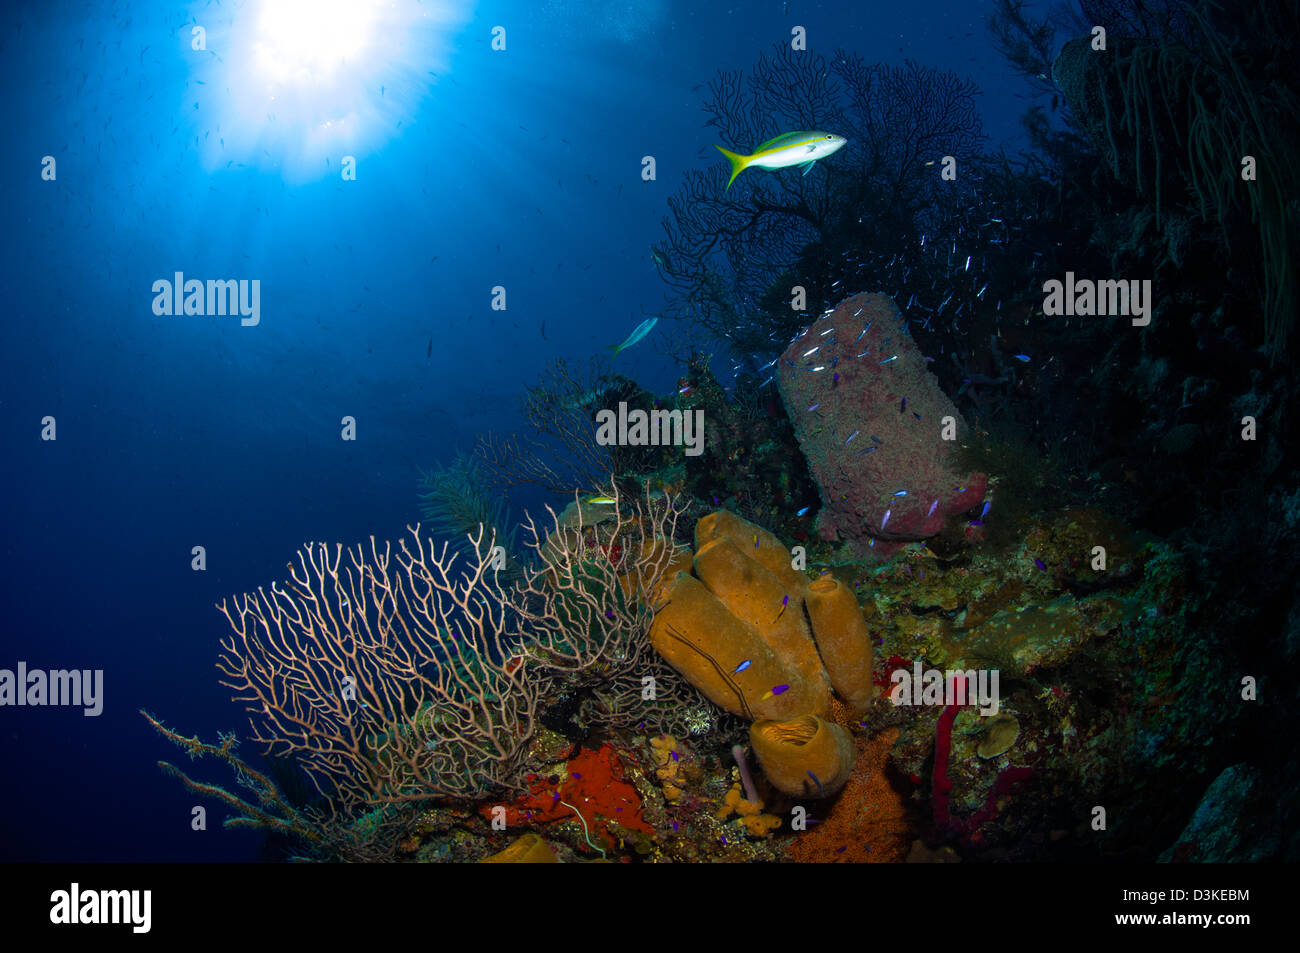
794,148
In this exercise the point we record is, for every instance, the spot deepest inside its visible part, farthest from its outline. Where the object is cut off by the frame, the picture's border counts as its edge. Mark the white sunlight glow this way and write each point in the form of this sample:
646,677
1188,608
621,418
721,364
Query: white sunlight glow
306,40
293,86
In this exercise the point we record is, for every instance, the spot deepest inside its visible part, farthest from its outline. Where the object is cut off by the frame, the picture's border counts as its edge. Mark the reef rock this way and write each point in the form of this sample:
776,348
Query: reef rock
869,416
1236,822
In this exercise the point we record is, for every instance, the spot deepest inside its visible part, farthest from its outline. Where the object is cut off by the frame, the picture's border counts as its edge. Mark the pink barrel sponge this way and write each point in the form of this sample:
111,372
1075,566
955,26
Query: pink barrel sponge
868,415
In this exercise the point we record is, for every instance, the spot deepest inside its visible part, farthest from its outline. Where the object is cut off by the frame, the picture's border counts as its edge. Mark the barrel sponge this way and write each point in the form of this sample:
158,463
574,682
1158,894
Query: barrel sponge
761,545
805,756
528,849
842,637
699,637
758,597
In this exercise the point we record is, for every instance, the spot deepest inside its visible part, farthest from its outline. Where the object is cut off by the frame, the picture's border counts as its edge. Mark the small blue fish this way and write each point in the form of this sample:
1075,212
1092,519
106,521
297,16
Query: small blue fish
742,666
901,493
851,436
1024,358
1039,564
985,512
888,359
813,407
639,332
933,506
804,511
886,519
785,601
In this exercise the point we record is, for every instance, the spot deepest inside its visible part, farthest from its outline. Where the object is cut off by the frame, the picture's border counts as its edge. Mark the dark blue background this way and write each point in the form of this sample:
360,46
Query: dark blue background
183,431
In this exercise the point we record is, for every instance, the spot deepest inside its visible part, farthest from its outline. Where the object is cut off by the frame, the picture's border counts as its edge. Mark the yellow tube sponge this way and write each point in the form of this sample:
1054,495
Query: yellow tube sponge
757,597
759,544
842,637
529,849
721,656
803,757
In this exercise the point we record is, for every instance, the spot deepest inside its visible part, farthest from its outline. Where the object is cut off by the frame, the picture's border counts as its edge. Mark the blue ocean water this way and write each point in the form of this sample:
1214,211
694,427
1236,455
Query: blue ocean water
475,168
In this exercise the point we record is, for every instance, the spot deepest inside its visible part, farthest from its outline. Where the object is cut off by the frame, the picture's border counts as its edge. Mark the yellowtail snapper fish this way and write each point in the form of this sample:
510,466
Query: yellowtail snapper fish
802,148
